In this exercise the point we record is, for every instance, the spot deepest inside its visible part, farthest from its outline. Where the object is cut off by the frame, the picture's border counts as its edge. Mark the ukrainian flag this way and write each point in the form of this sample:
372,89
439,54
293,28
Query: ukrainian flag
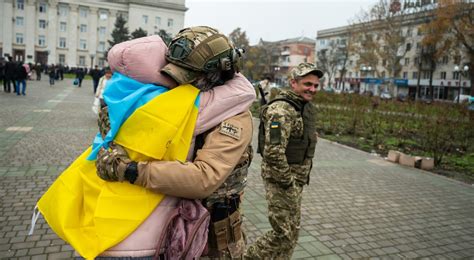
151,122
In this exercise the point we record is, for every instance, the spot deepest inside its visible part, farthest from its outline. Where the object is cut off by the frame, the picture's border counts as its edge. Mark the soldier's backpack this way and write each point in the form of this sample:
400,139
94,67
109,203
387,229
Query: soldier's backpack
261,126
185,232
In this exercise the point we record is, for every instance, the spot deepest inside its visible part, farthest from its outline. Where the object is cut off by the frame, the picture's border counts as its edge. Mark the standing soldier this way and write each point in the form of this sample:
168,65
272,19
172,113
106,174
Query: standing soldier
287,140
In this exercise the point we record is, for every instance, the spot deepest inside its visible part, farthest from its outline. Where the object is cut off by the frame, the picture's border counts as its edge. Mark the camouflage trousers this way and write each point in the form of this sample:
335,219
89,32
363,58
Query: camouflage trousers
284,214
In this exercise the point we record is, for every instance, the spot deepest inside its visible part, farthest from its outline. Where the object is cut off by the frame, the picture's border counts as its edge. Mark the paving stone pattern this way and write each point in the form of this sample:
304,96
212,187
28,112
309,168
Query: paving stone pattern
357,206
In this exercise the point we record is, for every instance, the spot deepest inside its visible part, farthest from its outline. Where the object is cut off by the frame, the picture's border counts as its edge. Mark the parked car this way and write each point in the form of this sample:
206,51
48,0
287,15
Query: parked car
462,98
385,95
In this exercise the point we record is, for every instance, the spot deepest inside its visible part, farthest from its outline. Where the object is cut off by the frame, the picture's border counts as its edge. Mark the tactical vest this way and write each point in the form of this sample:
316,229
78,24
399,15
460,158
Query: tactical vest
225,233
298,149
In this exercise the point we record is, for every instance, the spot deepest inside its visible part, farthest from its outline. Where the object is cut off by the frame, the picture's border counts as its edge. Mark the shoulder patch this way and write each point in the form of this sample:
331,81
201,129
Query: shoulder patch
230,130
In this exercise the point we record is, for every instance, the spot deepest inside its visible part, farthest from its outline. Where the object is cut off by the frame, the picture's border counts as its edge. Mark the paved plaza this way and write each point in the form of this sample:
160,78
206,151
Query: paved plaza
357,205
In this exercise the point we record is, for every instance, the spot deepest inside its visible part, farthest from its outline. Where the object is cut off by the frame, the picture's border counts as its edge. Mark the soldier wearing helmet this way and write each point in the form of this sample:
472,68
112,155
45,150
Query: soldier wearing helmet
286,140
217,174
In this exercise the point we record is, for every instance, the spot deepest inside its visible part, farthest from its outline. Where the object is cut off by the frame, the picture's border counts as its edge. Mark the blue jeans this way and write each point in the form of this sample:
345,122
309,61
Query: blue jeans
17,87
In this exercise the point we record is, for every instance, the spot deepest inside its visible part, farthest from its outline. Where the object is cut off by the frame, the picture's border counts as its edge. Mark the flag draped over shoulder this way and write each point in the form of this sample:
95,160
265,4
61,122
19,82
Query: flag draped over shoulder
151,122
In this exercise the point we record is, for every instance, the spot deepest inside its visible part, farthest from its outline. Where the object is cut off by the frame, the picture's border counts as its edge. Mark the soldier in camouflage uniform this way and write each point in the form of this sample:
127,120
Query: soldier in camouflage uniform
287,140
222,155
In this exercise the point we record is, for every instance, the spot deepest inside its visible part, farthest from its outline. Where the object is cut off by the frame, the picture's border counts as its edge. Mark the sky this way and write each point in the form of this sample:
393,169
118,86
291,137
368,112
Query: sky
273,20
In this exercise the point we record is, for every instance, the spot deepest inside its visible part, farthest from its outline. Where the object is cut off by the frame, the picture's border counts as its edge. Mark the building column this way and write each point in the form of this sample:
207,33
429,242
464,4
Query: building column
7,37
93,36
52,31
71,41
30,33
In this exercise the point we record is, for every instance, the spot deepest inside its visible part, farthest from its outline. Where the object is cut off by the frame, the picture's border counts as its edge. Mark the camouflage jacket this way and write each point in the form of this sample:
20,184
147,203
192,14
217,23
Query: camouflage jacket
282,115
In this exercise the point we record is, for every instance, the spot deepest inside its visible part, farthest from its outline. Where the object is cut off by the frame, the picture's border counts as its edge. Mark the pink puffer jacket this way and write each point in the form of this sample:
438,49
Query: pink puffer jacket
142,59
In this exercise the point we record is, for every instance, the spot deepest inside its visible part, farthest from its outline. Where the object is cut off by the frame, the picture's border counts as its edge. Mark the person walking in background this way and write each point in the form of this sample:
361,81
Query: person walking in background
287,141
80,76
51,74
264,90
38,71
22,75
60,72
96,75
101,87
9,76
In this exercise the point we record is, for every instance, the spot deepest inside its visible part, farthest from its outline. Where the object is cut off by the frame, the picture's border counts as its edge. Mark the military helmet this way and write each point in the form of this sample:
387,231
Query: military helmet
197,50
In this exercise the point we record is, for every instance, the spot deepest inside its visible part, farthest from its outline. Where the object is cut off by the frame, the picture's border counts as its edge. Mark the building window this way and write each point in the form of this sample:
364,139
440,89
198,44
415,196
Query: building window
445,59
42,24
408,46
83,12
103,15
158,20
20,4
43,7
83,28
384,62
443,75
425,75
407,61
19,38
455,74
170,22
415,75
405,75
63,26
416,61
20,21
82,60
82,44
102,31
101,46
101,62
383,74
63,10
42,40
145,19
62,59
62,42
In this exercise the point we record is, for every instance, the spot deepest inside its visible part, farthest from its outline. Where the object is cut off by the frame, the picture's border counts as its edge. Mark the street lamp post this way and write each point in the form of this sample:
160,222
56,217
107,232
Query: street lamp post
92,55
366,70
458,70
277,74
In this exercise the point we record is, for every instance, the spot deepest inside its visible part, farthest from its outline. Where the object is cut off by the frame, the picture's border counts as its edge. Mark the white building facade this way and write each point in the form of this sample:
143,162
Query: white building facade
447,78
75,33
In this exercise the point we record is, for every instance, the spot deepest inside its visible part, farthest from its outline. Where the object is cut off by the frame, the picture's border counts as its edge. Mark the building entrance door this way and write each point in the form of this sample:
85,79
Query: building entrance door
19,55
41,57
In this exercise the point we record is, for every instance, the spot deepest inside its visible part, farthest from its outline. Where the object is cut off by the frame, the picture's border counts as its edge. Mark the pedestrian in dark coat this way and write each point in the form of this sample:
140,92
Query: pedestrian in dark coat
96,74
9,76
22,75
80,76
52,74
38,71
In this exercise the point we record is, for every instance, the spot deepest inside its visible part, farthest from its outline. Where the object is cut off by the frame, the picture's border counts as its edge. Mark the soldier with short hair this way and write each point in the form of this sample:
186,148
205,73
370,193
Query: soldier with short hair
287,141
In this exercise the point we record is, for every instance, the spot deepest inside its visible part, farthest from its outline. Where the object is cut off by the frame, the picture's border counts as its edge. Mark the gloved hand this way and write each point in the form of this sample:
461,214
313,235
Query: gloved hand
103,121
111,163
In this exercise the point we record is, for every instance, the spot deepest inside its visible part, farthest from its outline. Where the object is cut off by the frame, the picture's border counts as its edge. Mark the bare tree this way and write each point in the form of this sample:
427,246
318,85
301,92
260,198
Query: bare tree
384,38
